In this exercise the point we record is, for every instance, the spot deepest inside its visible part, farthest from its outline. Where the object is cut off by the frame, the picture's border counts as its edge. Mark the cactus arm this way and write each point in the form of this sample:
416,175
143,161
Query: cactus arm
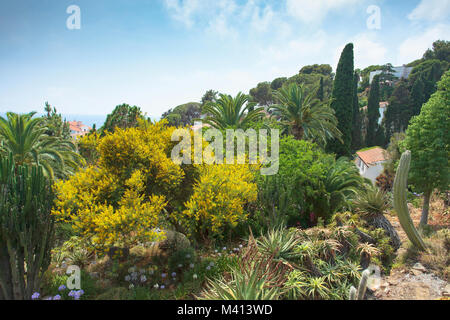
363,284
353,293
400,204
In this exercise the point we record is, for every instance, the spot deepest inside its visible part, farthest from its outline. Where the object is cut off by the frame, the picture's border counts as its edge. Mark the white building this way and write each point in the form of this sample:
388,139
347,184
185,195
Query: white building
370,162
402,72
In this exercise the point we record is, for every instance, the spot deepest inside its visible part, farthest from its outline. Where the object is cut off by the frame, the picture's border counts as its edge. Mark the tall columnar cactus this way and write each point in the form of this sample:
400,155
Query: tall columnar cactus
361,292
400,204
26,228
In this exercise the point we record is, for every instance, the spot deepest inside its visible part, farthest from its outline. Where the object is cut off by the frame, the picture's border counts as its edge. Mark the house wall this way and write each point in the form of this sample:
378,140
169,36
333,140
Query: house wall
372,172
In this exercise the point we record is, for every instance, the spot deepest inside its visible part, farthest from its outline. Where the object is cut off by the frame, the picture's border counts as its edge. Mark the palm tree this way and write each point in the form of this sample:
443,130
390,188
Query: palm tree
342,183
25,137
304,115
230,113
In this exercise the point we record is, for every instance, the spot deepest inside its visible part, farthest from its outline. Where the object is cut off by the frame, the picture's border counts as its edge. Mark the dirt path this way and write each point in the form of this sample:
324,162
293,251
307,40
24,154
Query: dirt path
416,282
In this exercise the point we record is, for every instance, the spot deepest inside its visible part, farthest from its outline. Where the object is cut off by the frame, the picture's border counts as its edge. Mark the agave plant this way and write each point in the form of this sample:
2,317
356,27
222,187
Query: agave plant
256,278
279,244
367,251
371,204
317,289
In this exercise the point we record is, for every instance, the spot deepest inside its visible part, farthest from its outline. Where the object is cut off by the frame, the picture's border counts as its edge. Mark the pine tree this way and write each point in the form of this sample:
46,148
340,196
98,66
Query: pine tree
356,128
373,111
342,101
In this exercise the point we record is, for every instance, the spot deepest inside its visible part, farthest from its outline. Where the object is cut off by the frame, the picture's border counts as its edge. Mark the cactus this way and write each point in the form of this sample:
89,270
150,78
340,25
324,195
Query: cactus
361,292
400,204
26,228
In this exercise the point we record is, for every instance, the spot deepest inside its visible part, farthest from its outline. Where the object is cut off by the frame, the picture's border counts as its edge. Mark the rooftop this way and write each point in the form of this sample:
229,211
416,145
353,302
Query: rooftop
373,155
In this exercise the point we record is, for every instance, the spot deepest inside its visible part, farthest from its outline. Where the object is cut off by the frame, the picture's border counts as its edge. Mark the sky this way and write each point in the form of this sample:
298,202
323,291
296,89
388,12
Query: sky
158,54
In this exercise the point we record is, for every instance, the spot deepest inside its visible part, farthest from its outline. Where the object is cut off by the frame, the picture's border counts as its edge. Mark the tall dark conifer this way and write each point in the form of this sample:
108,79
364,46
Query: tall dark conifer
356,128
417,96
320,92
342,101
373,112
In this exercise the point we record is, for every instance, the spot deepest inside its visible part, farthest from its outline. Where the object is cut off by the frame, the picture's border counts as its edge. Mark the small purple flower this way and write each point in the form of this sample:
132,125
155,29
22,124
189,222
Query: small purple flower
35,296
208,268
57,297
71,293
163,286
174,274
163,275
61,288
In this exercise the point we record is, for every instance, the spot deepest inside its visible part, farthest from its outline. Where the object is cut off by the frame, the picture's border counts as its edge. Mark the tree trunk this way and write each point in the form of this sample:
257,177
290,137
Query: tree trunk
297,131
425,209
380,221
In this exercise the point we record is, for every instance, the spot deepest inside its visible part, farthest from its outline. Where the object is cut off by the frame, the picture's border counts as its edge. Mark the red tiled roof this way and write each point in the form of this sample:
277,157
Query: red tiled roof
373,155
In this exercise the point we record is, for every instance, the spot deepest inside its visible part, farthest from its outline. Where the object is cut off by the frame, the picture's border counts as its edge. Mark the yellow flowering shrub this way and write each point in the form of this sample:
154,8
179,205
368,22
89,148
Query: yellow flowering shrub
218,200
131,149
120,199
134,220
87,146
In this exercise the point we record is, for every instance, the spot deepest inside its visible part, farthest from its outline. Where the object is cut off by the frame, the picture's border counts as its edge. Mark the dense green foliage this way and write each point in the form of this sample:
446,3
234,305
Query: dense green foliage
428,140
123,116
183,115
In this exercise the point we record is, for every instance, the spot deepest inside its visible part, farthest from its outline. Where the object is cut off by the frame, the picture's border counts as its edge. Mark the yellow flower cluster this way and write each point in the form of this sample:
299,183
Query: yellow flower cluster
147,150
219,198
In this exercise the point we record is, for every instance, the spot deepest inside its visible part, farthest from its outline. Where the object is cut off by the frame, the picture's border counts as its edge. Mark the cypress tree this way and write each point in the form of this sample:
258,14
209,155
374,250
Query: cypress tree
417,96
342,101
320,92
356,129
373,111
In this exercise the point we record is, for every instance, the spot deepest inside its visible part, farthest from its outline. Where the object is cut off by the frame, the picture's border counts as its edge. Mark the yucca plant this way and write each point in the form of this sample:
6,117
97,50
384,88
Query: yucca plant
371,203
26,228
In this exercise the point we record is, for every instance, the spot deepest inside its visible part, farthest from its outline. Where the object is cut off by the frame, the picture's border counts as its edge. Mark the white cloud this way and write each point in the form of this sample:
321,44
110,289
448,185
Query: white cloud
431,10
183,11
224,17
314,11
414,47
366,51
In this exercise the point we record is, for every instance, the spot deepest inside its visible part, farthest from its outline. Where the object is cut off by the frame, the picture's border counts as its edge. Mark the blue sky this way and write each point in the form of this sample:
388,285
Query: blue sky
158,54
